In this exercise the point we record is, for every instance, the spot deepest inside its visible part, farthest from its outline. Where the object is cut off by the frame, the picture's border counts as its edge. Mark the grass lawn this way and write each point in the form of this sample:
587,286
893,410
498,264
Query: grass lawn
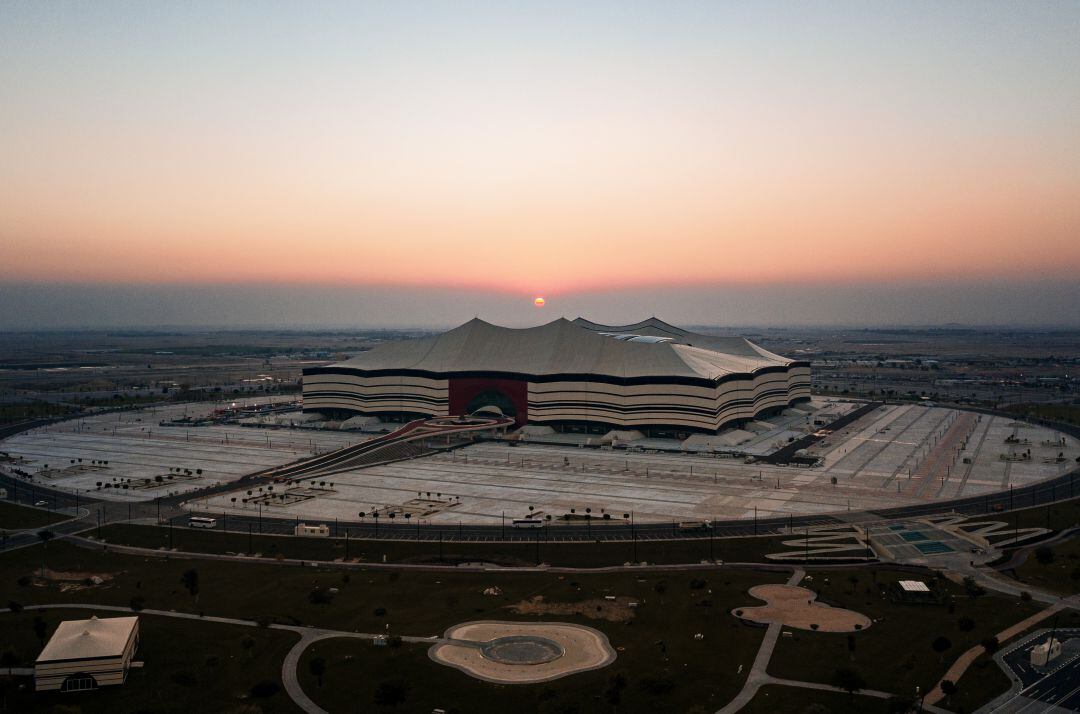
773,698
1068,413
894,654
983,681
1057,515
658,645
189,666
14,517
1061,575
661,665
743,550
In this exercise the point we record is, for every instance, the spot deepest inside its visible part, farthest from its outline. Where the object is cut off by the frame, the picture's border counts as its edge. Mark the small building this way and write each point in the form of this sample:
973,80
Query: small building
913,591
1044,653
87,654
319,531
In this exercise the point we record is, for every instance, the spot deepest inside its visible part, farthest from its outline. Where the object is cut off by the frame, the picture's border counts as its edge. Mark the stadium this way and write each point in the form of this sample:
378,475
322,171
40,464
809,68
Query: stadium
569,375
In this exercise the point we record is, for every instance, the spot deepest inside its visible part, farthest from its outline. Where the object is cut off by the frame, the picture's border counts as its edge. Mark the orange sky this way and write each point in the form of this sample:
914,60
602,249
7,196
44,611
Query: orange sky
536,156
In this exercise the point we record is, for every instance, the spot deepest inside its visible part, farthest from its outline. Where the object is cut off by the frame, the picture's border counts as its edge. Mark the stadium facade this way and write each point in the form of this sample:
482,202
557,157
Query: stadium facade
572,375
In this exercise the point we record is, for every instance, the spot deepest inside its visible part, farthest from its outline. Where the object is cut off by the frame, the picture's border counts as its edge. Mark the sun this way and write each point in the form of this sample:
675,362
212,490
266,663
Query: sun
539,302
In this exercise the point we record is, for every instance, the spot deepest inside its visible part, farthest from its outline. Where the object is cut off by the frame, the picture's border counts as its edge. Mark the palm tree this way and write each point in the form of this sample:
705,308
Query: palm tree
190,579
44,536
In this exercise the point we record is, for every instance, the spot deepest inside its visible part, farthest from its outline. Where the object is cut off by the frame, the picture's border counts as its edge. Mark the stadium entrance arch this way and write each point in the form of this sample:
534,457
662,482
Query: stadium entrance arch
509,396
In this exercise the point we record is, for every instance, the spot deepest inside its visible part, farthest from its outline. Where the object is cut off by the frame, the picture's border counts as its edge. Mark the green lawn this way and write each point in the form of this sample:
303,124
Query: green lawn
189,666
983,681
661,664
1061,575
895,653
773,698
748,549
14,517
674,607
1068,413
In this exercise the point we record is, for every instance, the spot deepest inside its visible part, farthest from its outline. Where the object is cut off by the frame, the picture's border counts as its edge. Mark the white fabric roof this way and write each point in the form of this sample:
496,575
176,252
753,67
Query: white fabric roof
565,347
914,586
77,639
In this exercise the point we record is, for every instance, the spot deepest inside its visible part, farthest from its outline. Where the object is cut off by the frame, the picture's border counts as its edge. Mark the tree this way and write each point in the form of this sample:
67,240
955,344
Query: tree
391,693
948,688
972,588
940,645
190,579
40,628
44,536
966,624
317,667
848,679
1044,554
248,643
616,684
851,646
991,644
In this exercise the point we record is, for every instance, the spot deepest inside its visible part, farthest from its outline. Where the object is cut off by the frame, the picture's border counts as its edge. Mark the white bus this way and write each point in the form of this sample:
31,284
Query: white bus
527,523
202,522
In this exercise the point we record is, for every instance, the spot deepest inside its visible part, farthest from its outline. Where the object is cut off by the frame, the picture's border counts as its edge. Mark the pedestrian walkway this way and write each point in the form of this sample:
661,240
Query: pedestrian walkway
956,671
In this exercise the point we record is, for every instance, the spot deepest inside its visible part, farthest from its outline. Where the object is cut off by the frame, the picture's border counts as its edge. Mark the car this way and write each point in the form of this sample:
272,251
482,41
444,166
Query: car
39,504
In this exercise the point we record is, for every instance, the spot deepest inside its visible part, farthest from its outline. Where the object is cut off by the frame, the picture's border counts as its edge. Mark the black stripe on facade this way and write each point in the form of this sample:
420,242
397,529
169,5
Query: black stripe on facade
549,378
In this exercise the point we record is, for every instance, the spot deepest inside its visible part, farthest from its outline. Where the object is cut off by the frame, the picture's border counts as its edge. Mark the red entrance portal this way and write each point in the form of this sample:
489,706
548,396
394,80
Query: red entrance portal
463,391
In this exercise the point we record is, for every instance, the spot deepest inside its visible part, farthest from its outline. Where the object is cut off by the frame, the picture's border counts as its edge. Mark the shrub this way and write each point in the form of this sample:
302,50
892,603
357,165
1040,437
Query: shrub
183,678
391,693
318,596
265,688
658,685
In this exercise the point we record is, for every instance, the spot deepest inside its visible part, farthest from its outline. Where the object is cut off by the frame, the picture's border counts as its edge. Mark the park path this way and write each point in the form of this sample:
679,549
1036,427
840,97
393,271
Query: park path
308,636
965,660
759,676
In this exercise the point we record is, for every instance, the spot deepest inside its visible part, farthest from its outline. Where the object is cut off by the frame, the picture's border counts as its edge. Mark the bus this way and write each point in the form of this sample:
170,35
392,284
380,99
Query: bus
527,523
202,522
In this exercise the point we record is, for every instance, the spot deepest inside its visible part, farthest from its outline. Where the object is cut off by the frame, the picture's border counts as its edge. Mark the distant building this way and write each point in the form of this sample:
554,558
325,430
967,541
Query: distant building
571,375
87,654
1044,653
319,531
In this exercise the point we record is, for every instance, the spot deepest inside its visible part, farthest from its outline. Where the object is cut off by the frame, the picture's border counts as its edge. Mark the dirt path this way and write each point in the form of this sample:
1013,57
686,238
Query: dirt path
965,660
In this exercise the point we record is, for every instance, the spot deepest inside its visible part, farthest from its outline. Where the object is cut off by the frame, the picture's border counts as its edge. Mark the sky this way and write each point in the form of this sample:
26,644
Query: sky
416,164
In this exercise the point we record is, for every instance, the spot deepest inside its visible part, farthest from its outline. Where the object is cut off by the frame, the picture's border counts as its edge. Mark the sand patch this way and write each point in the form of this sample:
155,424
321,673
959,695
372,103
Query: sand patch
617,610
797,607
545,650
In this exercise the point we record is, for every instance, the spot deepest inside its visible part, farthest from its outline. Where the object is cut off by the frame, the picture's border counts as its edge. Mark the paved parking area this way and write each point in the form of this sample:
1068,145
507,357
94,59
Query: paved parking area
1055,688
872,463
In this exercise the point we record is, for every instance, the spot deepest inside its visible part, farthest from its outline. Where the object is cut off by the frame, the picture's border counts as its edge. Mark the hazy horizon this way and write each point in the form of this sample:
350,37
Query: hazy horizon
1008,304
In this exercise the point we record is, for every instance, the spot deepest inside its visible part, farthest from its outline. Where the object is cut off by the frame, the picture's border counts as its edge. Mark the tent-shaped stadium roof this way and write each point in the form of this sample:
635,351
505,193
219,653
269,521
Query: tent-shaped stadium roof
565,347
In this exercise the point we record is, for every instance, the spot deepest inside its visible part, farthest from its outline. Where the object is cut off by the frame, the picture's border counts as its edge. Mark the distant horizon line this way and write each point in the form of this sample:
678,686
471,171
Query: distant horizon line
338,327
